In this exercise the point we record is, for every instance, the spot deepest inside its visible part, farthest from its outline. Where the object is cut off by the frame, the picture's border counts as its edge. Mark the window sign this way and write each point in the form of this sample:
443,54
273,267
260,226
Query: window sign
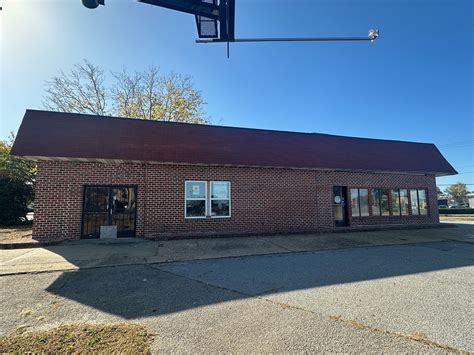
196,199
195,189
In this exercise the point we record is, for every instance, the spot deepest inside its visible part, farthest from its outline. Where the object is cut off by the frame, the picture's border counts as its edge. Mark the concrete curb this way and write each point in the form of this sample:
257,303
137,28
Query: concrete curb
358,229
279,253
26,245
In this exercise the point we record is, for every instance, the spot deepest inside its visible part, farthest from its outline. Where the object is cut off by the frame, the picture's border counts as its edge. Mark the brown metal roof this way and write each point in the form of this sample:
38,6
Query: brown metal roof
44,134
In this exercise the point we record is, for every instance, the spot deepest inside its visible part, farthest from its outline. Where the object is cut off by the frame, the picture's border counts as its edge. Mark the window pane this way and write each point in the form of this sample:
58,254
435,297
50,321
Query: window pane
395,203
195,208
220,190
404,201
220,208
414,202
96,199
123,199
423,202
364,202
376,202
355,202
195,189
385,204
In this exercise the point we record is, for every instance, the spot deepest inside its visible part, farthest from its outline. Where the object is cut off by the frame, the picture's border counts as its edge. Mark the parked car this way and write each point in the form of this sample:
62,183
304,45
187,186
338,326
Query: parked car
442,206
460,205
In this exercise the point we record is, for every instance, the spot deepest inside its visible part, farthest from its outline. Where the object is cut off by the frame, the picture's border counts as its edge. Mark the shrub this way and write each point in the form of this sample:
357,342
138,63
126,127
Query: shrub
14,197
456,211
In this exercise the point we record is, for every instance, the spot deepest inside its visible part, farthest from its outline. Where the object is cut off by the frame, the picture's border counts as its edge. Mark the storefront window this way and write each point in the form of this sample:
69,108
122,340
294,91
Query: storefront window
423,202
414,202
404,202
395,203
360,202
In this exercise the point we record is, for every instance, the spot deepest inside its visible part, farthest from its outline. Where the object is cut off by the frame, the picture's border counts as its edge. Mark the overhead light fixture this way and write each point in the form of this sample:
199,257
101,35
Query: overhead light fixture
215,21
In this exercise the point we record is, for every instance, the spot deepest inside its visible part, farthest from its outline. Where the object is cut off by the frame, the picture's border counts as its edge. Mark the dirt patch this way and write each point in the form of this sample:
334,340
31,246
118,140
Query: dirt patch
456,218
117,338
22,233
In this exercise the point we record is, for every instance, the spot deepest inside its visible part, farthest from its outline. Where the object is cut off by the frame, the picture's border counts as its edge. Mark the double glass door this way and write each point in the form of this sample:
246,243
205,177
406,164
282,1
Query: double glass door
109,206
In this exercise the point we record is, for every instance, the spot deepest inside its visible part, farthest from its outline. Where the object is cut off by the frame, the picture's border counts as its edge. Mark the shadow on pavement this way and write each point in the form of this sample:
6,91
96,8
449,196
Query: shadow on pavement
144,290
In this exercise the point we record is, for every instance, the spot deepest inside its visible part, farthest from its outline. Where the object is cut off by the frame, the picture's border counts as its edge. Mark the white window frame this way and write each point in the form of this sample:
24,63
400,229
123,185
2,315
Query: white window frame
220,199
196,199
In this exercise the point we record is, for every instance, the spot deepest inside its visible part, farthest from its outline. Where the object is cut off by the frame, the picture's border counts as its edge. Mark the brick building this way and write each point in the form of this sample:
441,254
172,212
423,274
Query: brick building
165,180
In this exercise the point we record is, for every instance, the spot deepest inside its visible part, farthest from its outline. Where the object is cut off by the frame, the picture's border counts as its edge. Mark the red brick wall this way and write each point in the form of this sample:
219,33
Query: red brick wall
263,200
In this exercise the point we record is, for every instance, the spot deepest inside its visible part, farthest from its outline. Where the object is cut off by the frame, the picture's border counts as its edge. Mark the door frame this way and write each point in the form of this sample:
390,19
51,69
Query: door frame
109,187
344,191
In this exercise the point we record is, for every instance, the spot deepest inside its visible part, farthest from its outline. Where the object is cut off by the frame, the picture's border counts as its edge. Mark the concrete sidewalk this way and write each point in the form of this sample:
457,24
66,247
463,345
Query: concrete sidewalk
99,253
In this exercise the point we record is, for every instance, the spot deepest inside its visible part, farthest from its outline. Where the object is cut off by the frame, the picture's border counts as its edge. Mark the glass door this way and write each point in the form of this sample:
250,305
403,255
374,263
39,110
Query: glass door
124,209
109,205
340,206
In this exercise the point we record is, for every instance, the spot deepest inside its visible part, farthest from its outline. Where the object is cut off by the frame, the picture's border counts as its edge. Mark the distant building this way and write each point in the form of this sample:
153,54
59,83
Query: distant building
470,200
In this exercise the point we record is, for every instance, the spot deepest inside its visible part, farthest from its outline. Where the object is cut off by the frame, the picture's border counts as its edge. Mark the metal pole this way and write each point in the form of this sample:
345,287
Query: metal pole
303,39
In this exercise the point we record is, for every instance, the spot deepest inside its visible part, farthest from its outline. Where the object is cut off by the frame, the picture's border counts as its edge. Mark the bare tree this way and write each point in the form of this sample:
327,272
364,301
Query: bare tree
154,96
147,95
81,90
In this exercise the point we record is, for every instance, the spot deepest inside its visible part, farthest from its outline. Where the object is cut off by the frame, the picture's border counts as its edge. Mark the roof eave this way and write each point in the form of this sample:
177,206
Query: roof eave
121,161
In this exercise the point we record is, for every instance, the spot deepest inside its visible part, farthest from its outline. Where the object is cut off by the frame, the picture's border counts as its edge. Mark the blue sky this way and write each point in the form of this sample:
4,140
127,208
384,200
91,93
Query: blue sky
414,83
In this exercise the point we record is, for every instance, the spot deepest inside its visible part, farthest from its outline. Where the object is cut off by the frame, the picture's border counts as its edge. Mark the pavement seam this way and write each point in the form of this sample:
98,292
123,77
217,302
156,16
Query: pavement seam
278,245
353,324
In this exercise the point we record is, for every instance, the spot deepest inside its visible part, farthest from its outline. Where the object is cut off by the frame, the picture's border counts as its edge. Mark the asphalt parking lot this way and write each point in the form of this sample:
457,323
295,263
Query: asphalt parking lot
415,297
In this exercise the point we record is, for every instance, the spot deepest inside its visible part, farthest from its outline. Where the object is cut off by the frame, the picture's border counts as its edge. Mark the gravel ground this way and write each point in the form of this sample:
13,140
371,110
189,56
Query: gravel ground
380,299
15,233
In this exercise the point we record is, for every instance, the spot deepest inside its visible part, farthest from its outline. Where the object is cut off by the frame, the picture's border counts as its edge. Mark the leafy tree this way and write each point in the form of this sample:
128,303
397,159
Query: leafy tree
13,167
17,177
457,192
147,95
14,197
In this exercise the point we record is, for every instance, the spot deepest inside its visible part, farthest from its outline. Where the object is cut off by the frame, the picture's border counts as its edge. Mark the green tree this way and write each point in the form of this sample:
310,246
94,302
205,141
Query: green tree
148,94
14,197
17,178
457,192
13,167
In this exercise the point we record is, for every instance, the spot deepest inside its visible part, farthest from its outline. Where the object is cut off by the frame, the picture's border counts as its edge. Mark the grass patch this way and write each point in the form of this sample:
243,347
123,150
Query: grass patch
116,338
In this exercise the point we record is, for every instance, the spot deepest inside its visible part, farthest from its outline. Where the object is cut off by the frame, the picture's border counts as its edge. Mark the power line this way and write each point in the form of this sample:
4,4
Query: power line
465,166
457,147
468,142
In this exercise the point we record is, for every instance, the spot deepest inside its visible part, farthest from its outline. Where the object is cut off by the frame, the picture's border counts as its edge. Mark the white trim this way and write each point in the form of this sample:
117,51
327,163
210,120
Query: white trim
220,199
196,199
